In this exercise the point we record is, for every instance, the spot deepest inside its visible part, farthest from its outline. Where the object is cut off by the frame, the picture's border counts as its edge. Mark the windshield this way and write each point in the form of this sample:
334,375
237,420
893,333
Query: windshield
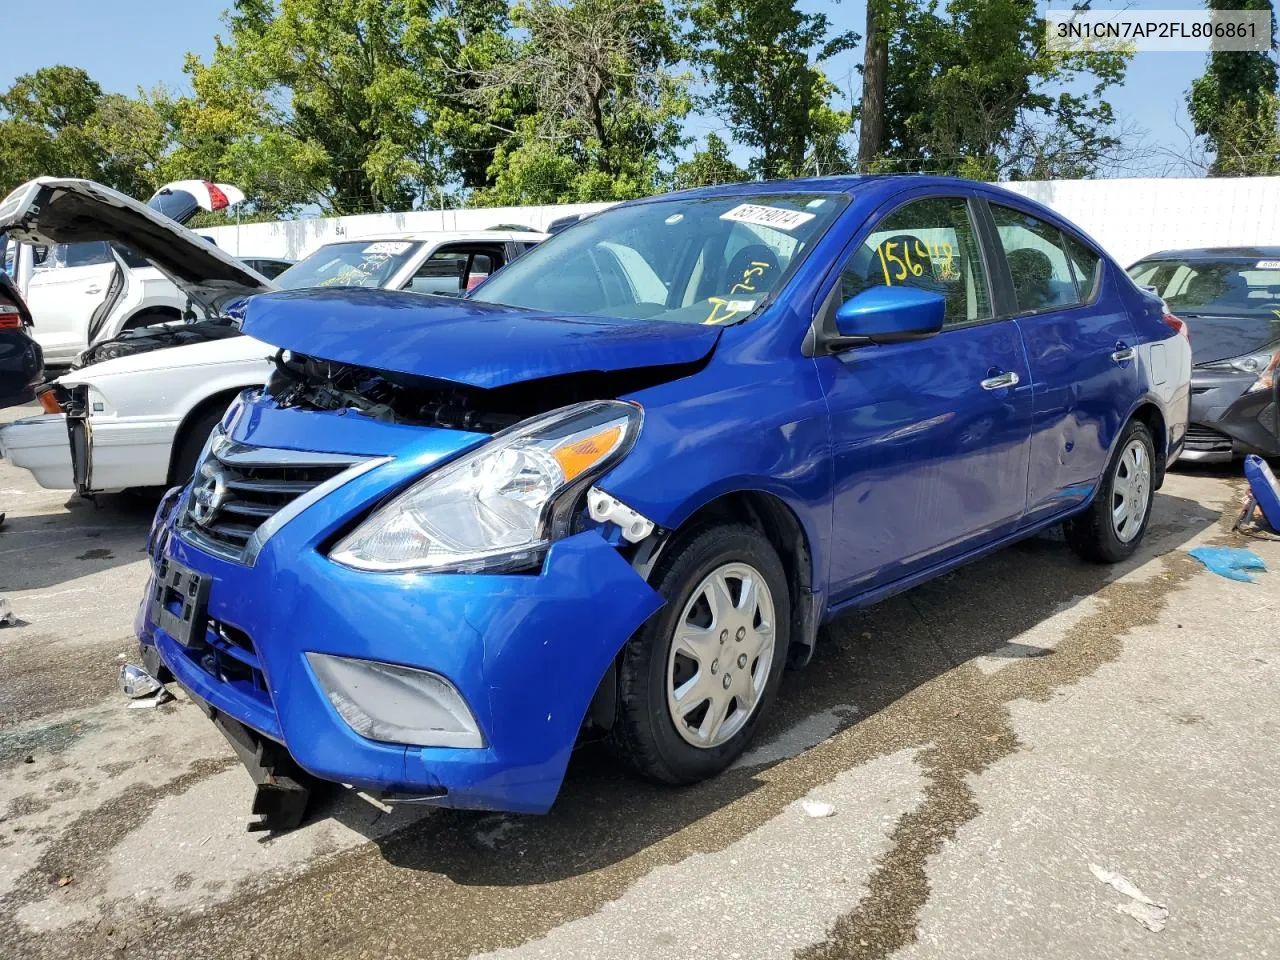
355,263
682,260
1233,303
1233,287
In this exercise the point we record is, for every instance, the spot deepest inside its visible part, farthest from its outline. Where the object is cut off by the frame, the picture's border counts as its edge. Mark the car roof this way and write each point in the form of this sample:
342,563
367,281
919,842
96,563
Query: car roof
835,184
1217,253
442,235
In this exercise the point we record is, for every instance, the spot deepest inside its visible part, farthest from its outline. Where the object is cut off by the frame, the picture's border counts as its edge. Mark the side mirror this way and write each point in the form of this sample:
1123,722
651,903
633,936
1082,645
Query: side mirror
890,315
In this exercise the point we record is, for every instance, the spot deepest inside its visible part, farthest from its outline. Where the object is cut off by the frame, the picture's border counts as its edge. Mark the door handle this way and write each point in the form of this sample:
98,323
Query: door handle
1123,354
89,291
1002,381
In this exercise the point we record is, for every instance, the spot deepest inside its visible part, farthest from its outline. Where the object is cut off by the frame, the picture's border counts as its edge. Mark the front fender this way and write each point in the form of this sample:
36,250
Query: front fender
727,431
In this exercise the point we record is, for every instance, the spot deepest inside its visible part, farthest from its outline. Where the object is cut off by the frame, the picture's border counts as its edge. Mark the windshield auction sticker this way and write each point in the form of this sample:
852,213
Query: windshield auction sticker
386,248
779,218
1138,31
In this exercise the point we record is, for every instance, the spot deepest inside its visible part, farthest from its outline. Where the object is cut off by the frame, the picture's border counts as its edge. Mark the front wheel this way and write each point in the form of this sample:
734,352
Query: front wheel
695,681
1112,527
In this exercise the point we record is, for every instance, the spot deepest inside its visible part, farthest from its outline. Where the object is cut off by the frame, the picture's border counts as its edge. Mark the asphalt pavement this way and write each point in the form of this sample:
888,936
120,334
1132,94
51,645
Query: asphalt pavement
1029,757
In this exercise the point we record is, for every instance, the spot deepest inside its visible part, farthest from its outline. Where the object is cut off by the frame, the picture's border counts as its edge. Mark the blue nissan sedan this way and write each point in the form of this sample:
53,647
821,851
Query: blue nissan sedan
622,484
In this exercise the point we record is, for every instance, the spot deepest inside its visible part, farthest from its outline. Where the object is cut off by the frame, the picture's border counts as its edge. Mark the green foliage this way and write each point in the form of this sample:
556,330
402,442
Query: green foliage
352,106
707,167
317,101
756,57
58,122
1232,104
601,106
1247,138
972,91
42,120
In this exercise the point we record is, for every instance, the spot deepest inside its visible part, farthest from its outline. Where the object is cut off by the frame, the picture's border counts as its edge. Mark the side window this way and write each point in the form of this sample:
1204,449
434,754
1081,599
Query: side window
1085,264
930,244
455,269
88,253
1038,265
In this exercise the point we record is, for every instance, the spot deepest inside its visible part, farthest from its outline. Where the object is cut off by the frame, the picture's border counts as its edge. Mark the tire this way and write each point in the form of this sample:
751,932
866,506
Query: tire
645,734
1096,535
190,442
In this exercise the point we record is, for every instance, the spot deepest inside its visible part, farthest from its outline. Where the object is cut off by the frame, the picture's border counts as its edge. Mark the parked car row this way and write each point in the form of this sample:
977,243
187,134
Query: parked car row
615,485
138,418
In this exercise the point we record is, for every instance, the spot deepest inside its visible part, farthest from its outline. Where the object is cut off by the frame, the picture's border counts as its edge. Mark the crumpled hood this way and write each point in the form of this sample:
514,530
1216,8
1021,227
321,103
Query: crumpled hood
464,341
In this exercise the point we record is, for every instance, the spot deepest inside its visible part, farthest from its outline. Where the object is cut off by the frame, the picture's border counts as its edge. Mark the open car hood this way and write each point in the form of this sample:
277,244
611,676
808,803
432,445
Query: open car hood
53,210
464,341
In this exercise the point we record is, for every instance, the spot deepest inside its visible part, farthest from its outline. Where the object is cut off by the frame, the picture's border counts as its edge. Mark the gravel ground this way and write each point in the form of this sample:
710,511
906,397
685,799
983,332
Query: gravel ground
1019,757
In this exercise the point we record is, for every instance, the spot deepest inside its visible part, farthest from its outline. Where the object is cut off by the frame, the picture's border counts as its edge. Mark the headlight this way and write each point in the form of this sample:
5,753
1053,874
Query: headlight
383,701
499,506
1263,364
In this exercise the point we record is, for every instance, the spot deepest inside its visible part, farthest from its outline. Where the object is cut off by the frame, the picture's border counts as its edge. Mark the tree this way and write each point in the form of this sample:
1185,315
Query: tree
58,122
755,54
1232,104
972,90
325,102
133,136
875,78
602,106
1248,138
42,120
708,166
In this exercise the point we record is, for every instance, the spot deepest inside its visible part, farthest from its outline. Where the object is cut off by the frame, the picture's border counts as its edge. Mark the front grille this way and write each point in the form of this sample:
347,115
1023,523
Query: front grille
237,489
1206,439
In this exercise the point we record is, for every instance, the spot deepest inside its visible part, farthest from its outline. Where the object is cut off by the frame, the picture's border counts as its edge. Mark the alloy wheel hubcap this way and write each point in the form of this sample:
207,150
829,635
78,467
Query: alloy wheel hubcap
1130,491
720,655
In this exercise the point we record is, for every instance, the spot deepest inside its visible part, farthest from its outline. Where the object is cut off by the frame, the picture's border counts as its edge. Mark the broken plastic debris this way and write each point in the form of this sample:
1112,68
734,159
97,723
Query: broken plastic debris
1230,562
1150,915
136,683
817,809
1142,908
162,696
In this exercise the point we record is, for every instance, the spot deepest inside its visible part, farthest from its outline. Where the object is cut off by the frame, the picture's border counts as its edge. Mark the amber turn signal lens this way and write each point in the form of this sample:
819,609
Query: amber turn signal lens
581,454
48,402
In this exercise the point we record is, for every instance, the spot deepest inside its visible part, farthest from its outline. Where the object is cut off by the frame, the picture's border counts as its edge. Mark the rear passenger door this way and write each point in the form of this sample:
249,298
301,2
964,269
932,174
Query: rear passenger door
1080,346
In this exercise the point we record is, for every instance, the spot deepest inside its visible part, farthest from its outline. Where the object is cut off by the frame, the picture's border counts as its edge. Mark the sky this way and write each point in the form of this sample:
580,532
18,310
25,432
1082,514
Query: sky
129,44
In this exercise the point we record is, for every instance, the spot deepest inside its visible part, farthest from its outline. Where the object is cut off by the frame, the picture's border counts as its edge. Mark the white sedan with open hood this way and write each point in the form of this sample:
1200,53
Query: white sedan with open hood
141,418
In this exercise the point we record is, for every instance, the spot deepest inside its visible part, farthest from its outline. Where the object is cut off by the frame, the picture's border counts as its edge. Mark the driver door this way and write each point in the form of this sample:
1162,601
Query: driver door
930,438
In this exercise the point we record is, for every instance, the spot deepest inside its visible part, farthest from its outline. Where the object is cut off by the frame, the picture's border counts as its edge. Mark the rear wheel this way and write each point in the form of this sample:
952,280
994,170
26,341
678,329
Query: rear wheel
695,682
1113,526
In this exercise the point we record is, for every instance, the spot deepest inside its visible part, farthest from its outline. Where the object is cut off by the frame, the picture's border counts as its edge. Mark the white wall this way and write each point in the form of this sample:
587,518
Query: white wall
1130,218
297,238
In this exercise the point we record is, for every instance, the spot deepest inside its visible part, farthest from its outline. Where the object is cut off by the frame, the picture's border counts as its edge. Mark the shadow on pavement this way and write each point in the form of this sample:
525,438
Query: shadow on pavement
41,550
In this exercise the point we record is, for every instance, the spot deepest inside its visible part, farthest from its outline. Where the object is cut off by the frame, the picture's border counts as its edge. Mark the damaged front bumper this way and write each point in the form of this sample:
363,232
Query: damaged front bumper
525,652
39,444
